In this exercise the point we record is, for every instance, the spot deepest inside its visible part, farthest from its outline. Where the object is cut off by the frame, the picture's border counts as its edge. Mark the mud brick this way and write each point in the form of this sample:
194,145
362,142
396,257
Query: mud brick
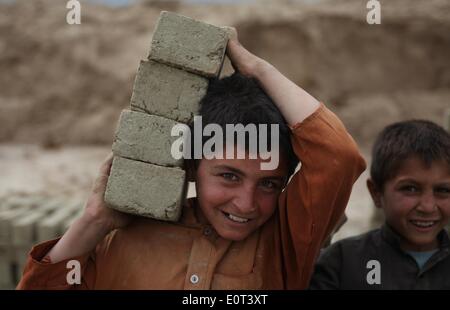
146,138
21,254
6,220
8,216
17,202
145,189
6,275
51,226
24,229
168,92
189,44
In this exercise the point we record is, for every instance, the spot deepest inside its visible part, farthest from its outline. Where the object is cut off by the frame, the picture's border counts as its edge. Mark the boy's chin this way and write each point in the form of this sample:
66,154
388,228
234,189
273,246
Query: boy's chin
233,236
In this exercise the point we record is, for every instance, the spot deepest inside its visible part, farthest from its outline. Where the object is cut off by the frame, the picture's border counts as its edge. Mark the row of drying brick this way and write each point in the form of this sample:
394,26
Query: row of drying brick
145,178
25,221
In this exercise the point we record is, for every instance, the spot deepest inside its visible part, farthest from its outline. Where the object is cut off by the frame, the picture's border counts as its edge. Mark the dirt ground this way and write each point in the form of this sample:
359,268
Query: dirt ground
62,87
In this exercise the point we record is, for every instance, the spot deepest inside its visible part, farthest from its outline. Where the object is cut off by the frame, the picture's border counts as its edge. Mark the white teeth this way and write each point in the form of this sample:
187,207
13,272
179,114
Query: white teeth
423,223
237,218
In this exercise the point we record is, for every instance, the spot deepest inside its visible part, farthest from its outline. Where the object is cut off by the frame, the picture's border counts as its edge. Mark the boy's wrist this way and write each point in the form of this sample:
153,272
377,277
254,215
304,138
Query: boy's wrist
260,68
94,225
81,238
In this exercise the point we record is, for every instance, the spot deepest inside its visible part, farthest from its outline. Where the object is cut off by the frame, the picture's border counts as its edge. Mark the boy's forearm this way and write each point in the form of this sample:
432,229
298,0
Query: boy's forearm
81,238
293,102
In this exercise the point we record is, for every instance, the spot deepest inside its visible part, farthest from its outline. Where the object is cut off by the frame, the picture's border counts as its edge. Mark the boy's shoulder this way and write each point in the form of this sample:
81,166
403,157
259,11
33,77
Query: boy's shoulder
345,261
143,227
354,245
370,236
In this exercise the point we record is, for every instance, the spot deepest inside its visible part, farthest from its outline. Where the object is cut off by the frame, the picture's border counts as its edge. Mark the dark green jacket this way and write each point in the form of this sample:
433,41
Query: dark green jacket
353,263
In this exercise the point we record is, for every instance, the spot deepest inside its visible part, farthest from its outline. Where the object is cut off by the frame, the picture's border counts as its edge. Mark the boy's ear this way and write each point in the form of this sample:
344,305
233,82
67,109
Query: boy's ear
190,168
374,192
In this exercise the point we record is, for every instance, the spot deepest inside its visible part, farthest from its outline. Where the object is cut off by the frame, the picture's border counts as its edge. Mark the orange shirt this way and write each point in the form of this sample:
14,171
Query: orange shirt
151,254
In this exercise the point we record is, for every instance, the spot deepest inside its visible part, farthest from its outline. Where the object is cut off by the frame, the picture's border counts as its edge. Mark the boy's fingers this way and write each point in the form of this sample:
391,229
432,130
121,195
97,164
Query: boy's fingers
232,33
100,184
105,168
102,179
237,55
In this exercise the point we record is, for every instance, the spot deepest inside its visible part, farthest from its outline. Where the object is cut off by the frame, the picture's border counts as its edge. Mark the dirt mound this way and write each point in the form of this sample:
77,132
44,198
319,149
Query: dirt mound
367,115
63,84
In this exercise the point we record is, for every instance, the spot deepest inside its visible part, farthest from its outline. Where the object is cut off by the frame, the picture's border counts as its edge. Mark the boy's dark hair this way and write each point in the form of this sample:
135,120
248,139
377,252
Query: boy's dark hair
403,140
237,99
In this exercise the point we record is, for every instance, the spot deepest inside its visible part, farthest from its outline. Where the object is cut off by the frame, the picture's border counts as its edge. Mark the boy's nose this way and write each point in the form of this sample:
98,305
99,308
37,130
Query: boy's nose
245,201
427,203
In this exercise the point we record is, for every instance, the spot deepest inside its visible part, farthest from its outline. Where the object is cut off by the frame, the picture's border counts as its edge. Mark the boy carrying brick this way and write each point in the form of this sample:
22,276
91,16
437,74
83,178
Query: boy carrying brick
410,181
247,228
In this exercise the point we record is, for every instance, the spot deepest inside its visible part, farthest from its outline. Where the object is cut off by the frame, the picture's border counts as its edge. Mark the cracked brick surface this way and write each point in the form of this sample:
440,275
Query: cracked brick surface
189,44
146,138
145,190
166,91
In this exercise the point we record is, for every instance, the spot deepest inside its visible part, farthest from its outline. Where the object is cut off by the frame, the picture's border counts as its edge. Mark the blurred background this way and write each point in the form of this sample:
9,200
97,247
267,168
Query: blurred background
62,86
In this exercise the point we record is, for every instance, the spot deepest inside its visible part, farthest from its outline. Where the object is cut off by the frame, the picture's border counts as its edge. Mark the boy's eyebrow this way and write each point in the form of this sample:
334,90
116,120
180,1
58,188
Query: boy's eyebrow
235,170
410,180
407,179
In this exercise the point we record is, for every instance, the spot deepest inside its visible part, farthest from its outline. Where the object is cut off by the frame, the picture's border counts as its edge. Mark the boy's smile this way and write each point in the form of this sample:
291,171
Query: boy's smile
416,203
236,196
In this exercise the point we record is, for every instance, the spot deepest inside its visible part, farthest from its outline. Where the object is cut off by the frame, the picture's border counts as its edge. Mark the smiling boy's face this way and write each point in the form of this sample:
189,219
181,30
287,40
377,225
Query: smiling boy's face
236,196
416,203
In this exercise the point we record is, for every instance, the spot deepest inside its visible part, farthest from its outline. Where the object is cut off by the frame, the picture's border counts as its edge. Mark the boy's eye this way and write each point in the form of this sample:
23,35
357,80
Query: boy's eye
443,190
409,189
267,184
229,176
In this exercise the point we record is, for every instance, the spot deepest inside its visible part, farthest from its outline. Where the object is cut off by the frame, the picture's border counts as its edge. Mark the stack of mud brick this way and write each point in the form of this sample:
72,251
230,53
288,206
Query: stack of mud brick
26,221
145,179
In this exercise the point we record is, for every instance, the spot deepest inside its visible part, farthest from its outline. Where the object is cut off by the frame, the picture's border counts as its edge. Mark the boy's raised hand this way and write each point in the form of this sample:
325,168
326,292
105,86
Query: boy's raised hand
293,102
241,59
96,222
